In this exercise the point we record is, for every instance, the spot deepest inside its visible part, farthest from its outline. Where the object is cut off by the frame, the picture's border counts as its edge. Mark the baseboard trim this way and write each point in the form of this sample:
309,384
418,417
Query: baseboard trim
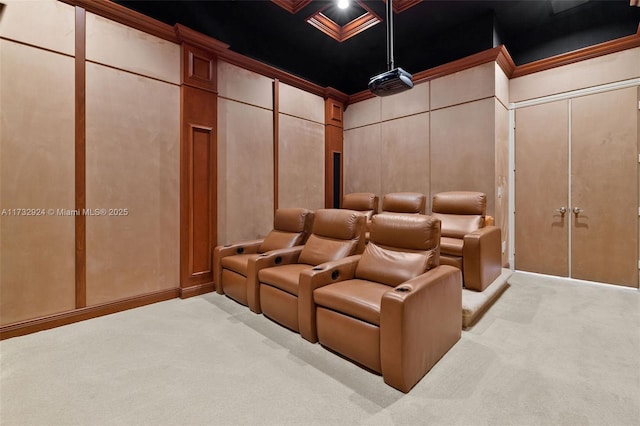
56,320
196,290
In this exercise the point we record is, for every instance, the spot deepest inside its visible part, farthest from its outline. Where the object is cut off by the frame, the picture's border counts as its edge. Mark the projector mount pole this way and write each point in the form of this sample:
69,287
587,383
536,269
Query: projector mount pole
390,61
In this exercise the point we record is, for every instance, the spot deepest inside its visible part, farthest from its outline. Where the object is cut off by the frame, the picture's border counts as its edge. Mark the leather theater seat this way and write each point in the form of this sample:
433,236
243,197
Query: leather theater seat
404,202
392,310
336,233
363,202
467,241
233,277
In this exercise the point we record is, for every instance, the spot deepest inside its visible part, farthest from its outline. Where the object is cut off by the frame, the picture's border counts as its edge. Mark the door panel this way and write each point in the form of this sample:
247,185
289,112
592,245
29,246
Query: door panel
604,183
541,187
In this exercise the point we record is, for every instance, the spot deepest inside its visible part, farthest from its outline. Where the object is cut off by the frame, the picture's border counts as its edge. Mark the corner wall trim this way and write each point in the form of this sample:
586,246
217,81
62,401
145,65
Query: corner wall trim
80,158
196,290
69,317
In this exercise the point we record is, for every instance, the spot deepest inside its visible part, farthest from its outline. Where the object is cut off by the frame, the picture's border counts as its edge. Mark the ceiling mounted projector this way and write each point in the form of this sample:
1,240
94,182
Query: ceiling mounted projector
391,82
395,80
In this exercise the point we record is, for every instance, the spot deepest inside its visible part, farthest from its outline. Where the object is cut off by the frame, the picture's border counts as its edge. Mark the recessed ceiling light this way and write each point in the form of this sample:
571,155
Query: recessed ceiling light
343,4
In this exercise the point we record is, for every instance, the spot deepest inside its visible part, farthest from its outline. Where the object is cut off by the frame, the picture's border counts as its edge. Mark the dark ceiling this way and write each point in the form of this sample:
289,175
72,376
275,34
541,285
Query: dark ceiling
427,34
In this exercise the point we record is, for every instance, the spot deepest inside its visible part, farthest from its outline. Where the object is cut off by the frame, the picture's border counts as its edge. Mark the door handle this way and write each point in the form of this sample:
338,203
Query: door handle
577,210
562,210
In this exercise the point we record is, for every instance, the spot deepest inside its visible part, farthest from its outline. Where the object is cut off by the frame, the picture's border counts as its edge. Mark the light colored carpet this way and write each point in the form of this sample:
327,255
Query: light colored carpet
547,352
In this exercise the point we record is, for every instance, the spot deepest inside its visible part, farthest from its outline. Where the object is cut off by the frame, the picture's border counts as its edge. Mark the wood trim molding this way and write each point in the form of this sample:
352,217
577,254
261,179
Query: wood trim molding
56,320
126,16
292,6
498,54
341,33
199,68
80,158
606,48
333,143
197,39
196,290
402,5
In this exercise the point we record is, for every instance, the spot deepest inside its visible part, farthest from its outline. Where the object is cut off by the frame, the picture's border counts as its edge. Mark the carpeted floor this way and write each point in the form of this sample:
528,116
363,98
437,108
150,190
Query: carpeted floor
548,352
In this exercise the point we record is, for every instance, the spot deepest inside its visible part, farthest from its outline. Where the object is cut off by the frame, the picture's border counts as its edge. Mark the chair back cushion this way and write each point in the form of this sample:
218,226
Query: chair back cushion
291,227
364,202
336,233
404,202
401,247
461,212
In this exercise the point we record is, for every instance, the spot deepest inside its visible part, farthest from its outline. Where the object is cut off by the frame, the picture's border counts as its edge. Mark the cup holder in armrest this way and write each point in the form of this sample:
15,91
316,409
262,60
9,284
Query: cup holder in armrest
317,268
278,260
227,245
402,289
240,250
335,275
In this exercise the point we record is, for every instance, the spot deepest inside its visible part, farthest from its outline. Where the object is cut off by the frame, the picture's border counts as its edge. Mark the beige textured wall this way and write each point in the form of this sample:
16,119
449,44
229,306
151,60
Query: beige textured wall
117,45
464,86
44,23
301,163
604,69
362,160
300,149
37,254
298,103
404,155
463,149
244,86
132,162
245,171
362,113
414,101
245,154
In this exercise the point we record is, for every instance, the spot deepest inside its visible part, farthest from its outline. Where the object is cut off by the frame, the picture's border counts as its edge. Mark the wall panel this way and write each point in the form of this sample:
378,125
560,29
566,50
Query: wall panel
301,163
362,166
405,155
463,149
299,103
132,160
49,24
604,69
244,86
117,45
245,171
37,254
362,113
412,101
501,193
463,86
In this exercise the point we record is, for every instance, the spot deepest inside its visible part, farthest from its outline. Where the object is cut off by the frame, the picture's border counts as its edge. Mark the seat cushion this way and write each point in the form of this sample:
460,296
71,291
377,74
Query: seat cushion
238,263
283,277
391,266
451,246
357,298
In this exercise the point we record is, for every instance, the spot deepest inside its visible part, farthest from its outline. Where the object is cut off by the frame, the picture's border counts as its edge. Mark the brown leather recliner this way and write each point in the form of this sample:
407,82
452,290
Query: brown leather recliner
364,202
467,241
404,202
392,309
337,233
291,227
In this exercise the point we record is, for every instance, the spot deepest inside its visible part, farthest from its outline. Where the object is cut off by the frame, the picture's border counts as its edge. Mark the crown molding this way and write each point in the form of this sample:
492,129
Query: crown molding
126,16
606,48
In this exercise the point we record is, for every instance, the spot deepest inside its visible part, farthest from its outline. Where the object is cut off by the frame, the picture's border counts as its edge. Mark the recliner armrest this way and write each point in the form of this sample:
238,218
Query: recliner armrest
482,257
269,259
242,247
420,320
319,276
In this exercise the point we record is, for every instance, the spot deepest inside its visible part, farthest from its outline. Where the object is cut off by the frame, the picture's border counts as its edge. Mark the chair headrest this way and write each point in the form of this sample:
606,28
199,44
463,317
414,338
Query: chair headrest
293,220
340,224
360,201
404,202
460,202
405,231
